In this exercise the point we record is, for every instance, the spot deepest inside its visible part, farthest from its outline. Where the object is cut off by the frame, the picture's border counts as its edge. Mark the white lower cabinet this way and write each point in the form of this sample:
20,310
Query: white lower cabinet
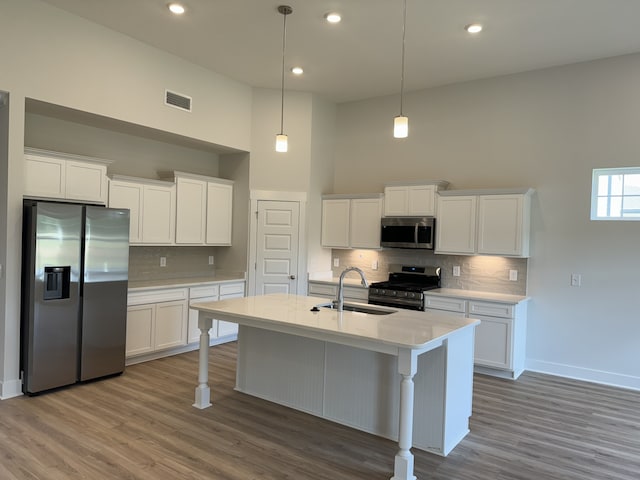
156,320
160,322
500,339
229,290
323,289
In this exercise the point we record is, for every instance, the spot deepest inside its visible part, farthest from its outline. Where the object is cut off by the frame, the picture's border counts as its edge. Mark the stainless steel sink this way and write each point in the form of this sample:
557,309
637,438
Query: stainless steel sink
359,308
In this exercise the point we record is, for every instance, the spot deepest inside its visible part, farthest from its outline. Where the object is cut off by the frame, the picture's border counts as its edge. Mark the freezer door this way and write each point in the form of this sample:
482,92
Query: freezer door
104,292
50,305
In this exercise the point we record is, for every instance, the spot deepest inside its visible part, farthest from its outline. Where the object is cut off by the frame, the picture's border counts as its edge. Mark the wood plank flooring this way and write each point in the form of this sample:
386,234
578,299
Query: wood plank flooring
141,425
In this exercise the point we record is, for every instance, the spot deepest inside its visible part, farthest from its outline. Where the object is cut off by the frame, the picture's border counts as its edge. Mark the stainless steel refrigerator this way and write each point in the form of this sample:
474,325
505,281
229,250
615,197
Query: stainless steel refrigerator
74,293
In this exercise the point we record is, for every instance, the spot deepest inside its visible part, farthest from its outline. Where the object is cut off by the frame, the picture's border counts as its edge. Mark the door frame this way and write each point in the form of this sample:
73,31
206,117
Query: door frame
269,195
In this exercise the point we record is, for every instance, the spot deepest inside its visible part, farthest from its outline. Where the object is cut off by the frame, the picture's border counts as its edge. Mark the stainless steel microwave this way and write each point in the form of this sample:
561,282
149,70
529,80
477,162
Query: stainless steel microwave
408,232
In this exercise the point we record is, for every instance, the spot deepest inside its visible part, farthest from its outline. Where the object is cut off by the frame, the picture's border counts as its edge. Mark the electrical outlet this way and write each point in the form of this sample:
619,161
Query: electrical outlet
163,261
513,275
336,262
374,265
210,259
456,270
576,280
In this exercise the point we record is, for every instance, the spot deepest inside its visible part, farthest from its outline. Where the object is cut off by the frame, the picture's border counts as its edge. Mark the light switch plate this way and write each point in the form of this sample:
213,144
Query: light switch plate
336,262
513,275
576,280
456,270
163,261
210,259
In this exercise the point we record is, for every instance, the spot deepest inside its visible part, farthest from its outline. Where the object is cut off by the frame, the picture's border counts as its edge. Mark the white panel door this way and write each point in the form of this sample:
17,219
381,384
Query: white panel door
277,247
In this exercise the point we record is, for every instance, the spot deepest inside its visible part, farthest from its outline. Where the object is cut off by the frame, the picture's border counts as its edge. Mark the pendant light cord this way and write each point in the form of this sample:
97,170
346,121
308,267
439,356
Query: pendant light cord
284,43
404,28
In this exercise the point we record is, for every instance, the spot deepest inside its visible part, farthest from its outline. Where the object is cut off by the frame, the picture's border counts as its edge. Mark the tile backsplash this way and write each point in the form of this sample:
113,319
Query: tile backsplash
482,273
182,262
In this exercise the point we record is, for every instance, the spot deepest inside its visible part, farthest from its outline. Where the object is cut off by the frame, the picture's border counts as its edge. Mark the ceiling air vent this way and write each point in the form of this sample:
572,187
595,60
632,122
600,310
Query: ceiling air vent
177,100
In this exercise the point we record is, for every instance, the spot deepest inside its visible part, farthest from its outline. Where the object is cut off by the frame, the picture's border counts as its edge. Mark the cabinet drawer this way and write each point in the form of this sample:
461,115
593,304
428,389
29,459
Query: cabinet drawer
445,303
204,291
356,293
322,289
502,310
232,289
156,296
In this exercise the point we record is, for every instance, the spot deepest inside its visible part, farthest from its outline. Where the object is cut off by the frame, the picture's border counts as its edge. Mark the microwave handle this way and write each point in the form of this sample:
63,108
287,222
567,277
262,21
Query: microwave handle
415,234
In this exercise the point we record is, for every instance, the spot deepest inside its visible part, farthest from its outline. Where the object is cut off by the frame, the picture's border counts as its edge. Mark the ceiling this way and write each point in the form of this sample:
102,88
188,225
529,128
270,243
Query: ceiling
360,57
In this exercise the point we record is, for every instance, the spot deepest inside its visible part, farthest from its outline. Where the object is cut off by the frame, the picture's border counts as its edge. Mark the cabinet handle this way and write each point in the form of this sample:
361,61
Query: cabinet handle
292,277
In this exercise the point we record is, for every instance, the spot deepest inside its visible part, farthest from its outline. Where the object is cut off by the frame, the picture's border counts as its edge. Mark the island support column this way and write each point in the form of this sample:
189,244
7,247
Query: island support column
203,392
407,367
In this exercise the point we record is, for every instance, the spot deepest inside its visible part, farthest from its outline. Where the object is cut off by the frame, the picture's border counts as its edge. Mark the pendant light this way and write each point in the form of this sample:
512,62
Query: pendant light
282,144
401,123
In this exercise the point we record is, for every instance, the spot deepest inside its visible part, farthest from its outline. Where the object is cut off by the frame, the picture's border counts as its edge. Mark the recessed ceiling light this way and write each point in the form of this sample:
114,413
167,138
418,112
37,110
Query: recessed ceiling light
473,28
333,17
176,8
297,70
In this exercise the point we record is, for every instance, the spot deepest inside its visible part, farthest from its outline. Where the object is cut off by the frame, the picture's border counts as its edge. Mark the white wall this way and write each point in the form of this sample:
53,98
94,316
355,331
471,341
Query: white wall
546,129
51,56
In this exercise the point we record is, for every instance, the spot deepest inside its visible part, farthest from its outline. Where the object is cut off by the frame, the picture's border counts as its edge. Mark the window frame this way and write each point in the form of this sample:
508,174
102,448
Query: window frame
599,172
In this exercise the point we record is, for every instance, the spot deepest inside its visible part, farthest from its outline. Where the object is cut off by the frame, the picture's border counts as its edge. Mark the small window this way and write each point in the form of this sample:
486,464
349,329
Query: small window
615,194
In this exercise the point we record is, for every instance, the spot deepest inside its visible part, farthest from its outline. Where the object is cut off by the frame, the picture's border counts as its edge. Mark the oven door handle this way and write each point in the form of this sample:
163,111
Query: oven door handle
415,234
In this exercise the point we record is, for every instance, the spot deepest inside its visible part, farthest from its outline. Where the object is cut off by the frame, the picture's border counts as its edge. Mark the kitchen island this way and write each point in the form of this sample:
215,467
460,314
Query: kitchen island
366,370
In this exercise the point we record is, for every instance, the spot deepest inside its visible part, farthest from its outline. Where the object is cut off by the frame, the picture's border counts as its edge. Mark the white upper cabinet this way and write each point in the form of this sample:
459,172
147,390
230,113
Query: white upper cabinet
412,200
152,205
503,225
219,212
456,224
64,177
336,215
351,221
204,209
125,194
484,222
191,210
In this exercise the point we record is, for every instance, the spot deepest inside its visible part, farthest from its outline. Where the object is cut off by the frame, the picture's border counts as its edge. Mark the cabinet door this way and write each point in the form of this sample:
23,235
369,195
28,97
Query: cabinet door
219,213
228,328
158,214
191,206
336,222
500,224
170,324
44,177
396,201
86,182
140,329
493,342
128,195
365,222
421,200
456,224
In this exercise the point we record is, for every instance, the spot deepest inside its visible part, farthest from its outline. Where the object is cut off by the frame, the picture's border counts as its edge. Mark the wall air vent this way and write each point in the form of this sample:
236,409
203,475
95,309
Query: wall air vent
177,100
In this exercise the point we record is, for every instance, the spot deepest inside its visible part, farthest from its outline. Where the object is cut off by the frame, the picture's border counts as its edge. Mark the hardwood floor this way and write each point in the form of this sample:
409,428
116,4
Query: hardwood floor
141,426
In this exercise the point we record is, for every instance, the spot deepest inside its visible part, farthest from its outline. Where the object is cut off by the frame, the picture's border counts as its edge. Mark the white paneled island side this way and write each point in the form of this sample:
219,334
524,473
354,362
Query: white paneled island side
402,374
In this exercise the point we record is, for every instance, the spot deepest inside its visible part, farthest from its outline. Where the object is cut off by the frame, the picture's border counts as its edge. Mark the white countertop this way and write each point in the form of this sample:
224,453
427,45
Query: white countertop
292,314
351,282
476,295
185,281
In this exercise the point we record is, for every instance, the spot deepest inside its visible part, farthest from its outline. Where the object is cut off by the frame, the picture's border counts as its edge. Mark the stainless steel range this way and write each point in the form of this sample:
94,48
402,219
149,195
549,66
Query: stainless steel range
405,287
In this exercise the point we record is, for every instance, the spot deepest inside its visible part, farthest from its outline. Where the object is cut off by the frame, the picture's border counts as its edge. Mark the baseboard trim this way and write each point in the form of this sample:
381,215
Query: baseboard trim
10,389
586,374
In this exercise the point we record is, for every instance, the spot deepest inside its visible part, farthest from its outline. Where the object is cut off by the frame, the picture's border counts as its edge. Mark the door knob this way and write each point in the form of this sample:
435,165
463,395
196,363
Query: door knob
292,277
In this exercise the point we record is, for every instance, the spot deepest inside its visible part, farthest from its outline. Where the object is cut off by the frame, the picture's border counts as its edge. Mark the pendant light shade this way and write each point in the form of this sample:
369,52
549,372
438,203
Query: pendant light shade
400,127
401,122
282,143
